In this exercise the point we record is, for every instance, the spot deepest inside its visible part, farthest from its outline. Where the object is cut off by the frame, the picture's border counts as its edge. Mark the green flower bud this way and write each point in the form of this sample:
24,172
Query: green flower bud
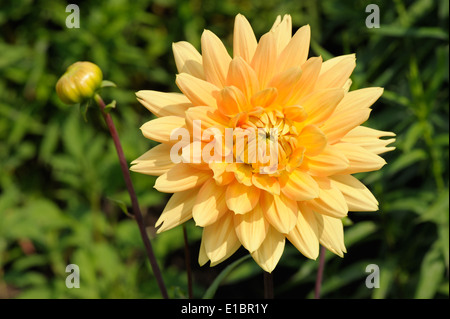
80,82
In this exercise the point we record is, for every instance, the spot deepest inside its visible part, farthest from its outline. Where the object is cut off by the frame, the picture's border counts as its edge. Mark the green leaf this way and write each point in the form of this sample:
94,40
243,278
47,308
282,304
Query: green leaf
438,212
358,232
431,273
209,294
110,106
84,106
387,271
405,32
122,206
406,160
106,83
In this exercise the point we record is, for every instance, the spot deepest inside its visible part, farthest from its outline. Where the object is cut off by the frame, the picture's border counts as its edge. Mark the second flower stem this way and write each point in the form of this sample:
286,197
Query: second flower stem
134,201
268,285
319,273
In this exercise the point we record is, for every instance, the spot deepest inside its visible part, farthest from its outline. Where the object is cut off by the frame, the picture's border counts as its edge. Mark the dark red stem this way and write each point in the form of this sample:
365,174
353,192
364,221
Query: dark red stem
134,201
320,272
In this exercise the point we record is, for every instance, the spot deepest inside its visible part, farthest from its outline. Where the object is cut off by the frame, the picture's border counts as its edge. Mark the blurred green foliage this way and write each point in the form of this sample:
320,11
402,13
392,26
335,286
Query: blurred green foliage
60,180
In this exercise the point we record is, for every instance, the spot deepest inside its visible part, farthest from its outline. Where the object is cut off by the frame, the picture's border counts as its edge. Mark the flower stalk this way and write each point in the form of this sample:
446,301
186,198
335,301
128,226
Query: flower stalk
187,259
319,273
134,201
268,285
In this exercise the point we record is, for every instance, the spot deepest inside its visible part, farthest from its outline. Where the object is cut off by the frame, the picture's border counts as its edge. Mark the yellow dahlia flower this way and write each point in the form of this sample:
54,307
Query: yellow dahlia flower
312,142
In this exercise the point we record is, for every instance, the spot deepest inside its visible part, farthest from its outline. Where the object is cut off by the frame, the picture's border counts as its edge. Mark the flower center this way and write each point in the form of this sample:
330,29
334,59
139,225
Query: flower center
268,142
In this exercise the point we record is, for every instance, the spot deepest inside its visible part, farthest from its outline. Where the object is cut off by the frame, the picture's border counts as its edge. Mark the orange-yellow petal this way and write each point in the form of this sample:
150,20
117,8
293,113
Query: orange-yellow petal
331,233
241,199
369,139
210,204
320,104
221,176
187,59
331,161
264,98
270,251
242,76
352,111
220,239
307,82
264,60
215,59
156,161
244,40
231,101
181,177
299,185
198,91
296,51
280,211
268,183
251,228
360,159
313,140
284,82
336,71
242,172
358,197
160,129
282,31
164,104
305,235
330,202
177,211
208,117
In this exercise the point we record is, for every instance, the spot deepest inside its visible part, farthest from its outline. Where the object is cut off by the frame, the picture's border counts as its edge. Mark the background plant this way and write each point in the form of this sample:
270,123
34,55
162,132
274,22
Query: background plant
60,182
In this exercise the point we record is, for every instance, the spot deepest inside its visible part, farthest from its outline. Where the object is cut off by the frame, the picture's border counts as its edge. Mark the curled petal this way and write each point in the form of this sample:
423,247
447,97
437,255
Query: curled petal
251,228
331,161
156,161
296,51
199,92
299,185
164,104
161,128
358,197
242,76
305,235
240,198
210,204
336,71
270,251
187,59
360,159
264,60
181,177
330,202
280,211
216,59
331,233
220,239
351,111
369,139
178,210
244,40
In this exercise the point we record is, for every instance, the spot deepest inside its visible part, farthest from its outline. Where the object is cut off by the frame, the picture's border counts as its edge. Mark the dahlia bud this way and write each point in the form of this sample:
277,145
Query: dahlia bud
80,82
